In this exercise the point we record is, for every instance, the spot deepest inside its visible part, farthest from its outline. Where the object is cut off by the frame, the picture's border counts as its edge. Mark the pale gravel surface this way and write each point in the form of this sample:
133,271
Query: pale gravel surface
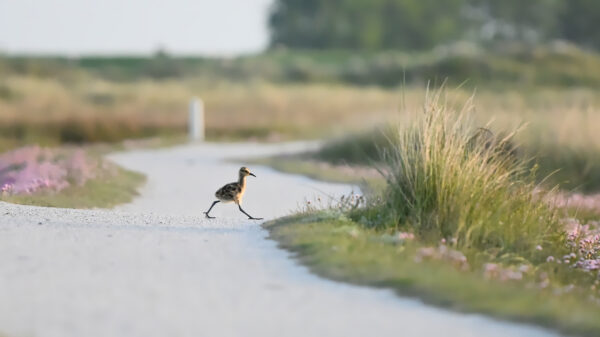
156,267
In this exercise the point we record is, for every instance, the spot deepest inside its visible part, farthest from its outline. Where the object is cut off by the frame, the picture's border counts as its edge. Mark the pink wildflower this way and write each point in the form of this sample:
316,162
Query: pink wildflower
406,236
31,169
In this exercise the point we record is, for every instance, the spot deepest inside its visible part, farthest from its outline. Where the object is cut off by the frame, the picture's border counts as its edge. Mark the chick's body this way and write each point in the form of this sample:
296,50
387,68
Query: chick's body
233,192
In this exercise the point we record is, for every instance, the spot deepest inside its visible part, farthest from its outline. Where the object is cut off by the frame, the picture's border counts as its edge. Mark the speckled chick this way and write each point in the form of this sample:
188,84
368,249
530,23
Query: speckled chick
233,192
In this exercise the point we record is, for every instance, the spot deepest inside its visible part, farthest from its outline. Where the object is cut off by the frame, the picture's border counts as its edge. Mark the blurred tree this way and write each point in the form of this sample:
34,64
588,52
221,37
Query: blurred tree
162,65
580,22
515,20
360,24
422,24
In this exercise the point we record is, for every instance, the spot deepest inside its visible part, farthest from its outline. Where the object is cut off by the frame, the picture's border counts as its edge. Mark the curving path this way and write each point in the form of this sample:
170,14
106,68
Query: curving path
156,267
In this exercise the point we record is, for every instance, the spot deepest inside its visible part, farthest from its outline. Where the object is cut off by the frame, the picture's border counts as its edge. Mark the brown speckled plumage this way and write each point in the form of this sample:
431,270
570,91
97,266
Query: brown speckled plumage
231,192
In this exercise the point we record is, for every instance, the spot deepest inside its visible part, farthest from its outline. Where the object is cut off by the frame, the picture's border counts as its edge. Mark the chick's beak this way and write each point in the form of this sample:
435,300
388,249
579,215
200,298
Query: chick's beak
252,174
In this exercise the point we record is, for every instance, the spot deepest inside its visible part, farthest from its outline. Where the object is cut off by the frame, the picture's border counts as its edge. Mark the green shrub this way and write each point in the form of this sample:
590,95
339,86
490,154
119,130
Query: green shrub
363,148
6,93
449,180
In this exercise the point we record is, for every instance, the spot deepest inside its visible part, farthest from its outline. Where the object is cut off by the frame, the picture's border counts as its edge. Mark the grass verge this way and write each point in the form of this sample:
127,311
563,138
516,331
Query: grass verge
304,164
105,192
69,177
343,250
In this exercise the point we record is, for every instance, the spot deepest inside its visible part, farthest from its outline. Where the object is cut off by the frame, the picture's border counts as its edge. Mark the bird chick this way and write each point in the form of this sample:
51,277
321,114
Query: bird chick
233,192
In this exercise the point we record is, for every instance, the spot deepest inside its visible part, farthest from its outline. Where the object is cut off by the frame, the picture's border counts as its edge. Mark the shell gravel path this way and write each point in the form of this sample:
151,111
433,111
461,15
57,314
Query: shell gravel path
156,267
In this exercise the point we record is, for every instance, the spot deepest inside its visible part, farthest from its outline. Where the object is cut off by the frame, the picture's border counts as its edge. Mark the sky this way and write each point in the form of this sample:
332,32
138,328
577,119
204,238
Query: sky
83,27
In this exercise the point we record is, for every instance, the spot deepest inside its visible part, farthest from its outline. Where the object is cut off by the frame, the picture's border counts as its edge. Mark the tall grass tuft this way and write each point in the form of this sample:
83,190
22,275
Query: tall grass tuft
449,179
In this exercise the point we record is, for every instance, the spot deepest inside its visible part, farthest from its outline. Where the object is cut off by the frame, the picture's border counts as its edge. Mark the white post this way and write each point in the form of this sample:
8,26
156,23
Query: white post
196,120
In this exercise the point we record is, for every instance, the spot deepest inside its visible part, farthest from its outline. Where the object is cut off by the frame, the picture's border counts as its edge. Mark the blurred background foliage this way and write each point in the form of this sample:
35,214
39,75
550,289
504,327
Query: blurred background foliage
554,64
380,42
423,24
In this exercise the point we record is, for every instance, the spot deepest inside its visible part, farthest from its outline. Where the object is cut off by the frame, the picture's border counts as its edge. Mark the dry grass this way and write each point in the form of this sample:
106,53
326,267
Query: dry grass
79,109
87,110
293,110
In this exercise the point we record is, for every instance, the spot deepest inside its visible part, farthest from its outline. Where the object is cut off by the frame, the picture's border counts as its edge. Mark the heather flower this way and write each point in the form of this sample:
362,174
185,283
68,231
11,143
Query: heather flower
406,236
584,243
34,169
490,270
7,188
498,272
443,253
576,200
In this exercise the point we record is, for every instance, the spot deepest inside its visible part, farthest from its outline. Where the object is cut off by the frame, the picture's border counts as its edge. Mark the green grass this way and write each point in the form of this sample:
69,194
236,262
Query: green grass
449,179
518,65
335,247
306,165
357,149
572,167
104,192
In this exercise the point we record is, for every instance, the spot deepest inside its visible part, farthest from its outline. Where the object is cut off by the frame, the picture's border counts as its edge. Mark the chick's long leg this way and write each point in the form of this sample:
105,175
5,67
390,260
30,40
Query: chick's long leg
249,216
211,206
